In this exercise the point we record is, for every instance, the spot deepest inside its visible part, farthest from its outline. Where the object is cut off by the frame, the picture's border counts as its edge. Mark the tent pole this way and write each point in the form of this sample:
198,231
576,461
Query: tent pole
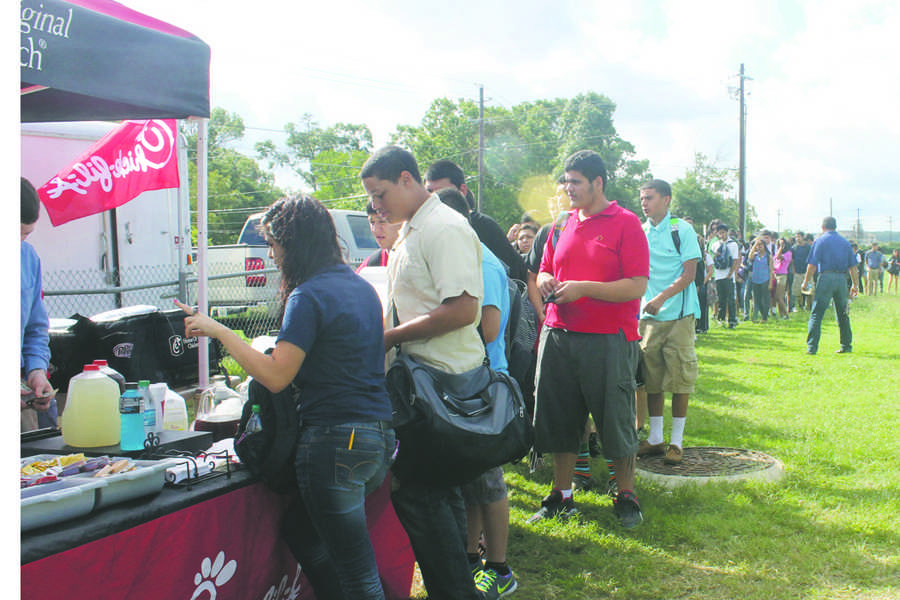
202,243
183,235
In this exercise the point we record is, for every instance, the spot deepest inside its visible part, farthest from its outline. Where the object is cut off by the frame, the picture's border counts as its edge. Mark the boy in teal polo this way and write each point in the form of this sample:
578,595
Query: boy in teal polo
668,311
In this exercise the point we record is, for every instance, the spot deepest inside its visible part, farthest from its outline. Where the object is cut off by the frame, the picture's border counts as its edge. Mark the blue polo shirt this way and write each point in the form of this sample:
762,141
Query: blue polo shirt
667,265
831,252
874,258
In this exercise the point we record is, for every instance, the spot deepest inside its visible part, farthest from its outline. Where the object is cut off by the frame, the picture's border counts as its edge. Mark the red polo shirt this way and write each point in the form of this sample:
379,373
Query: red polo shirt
605,247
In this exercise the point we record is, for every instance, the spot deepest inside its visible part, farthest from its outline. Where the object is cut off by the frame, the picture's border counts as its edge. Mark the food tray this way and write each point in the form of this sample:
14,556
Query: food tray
59,501
148,478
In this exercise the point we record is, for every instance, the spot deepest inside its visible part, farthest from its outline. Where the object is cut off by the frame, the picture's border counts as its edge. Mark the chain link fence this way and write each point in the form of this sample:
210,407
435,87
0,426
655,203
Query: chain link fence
88,293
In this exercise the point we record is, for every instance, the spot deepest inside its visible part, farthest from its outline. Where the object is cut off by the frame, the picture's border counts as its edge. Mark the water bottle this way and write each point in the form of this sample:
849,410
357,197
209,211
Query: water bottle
132,438
253,423
149,408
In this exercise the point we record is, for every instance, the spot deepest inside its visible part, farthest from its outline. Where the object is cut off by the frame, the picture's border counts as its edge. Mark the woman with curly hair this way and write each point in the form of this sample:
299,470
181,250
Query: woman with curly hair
331,347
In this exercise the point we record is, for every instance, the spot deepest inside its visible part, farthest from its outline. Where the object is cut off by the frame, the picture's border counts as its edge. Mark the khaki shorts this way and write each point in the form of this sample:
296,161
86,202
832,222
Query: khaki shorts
796,285
670,361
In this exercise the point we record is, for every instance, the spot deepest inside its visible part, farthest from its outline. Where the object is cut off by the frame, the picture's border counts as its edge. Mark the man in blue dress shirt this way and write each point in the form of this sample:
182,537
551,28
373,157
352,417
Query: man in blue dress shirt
833,258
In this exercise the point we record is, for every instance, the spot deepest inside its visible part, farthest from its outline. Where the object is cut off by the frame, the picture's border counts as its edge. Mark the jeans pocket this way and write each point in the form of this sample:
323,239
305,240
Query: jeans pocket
355,467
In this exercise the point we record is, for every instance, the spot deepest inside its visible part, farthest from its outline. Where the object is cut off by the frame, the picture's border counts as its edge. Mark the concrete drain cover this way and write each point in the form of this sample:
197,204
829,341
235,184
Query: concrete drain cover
709,463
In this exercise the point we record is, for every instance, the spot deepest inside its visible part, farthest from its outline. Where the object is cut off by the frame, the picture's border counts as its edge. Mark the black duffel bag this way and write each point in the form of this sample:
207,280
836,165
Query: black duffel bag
454,427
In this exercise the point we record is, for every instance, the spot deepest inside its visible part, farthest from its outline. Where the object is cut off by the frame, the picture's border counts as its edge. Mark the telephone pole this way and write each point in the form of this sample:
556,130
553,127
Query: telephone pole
742,168
480,144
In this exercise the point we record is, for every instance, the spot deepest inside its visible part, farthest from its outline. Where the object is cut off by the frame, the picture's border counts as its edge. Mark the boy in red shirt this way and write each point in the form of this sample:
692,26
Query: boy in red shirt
593,277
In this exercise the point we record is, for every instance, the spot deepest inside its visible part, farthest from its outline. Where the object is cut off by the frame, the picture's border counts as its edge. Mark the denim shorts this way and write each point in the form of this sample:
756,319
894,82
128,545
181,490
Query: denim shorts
487,489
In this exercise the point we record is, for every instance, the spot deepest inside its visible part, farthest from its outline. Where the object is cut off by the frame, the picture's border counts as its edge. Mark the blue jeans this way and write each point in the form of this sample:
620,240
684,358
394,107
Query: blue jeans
830,286
325,526
434,518
761,299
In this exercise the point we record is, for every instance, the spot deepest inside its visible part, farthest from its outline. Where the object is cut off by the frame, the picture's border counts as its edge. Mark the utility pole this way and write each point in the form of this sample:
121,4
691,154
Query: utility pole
742,169
480,144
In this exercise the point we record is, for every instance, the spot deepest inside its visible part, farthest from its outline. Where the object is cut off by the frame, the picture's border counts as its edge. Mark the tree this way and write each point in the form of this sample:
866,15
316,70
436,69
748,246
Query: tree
327,159
704,193
525,148
236,184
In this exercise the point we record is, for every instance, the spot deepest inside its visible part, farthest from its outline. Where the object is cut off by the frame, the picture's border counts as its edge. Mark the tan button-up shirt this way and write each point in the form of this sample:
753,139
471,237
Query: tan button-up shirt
437,256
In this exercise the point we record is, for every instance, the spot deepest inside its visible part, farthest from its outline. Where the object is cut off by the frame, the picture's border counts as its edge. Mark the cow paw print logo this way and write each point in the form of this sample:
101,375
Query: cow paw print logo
213,575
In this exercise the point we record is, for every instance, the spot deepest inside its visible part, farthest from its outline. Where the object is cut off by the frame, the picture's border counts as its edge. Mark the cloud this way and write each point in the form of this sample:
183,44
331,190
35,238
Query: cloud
821,101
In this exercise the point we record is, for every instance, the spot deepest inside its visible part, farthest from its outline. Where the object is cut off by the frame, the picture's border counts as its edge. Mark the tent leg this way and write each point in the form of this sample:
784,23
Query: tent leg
202,244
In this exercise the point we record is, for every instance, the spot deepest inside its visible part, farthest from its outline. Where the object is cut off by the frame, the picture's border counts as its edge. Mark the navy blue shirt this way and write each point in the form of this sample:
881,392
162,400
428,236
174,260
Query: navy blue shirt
800,255
335,318
831,252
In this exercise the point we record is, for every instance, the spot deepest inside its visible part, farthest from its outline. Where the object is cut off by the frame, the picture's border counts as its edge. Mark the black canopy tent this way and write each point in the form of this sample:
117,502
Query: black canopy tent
99,60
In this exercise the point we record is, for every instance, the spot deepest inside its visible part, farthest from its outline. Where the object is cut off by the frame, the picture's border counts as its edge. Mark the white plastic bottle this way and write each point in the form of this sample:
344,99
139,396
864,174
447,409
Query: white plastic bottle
175,417
157,399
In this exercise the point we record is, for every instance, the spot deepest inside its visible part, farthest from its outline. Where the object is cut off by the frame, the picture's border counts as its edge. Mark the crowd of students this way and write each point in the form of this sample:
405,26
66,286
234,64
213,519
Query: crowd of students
618,302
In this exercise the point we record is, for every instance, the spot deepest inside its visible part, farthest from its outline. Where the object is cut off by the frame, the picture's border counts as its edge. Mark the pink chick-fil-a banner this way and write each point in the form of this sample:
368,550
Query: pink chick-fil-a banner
135,157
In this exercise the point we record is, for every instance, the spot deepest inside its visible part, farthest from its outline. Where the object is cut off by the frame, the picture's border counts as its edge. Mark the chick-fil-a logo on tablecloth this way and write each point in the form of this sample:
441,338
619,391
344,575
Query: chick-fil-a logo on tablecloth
135,157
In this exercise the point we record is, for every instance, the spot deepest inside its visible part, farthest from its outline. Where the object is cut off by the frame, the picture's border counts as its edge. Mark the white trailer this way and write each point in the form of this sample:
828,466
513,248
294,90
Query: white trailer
142,242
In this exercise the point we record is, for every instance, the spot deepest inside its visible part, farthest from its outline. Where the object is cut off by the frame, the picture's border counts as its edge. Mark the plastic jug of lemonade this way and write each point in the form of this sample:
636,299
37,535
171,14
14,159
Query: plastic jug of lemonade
91,415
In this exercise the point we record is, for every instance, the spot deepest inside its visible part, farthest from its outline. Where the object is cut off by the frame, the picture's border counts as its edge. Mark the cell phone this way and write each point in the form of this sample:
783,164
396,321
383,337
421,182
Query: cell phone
551,299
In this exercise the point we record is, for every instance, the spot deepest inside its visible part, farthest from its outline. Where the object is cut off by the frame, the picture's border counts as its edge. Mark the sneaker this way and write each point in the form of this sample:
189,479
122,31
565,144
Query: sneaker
645,448
674,454
476,567
612,488
554,507
628,510
493,585
580,483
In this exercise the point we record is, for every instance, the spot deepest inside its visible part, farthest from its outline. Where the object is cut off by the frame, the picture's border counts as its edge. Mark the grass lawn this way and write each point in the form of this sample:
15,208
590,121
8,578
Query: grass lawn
829,529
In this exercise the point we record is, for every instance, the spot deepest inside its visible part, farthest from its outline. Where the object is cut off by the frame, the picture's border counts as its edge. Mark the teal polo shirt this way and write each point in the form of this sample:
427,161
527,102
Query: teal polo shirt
667,264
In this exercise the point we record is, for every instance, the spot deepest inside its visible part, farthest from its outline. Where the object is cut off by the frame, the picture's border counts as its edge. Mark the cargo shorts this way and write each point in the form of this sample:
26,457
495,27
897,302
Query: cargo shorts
667,350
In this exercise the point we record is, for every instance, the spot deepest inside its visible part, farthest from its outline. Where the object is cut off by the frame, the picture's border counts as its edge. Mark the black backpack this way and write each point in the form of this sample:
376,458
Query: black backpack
520,337
269,454
721,260
700,276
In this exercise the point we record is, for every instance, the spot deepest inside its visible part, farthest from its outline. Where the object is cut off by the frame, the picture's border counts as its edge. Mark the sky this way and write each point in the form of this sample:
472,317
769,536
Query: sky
822,89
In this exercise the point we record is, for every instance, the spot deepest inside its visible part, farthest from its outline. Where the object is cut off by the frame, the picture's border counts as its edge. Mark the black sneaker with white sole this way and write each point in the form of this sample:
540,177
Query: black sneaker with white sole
554,507
627,509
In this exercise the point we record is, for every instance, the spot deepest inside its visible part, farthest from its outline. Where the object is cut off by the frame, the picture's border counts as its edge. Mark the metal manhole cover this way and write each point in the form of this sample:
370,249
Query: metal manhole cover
710,463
